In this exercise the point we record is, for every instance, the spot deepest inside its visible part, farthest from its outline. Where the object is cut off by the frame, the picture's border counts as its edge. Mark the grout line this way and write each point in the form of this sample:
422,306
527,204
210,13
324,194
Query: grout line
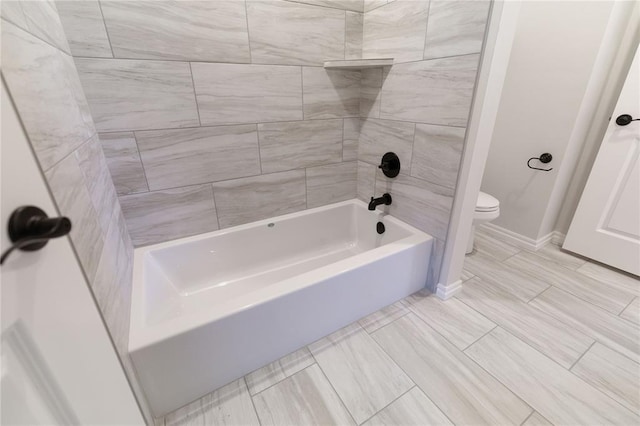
255,410
246,15
625,308
583,354
472,343
334,389
273,122
106,30
286,377
195,96
301,2
144,171
215,206
343,120
426,29
344,45
44,171
302,90
383,408
413,147
28,31
306,190
259,149
162,59
528,417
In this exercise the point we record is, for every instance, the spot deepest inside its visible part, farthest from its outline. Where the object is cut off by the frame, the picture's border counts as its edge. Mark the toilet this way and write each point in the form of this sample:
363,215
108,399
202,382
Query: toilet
487,209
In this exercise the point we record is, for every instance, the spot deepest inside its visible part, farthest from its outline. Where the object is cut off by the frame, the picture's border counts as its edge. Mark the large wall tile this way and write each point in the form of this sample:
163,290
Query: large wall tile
99,184
67,184
297,144
11,10
48,95
353,35
380,136
330,93
396,30
44,22
354,5
249,199
213,31
455,27
436,154
123,160
438,91
420,203
373,4
294,34
330,184
84,27
350,136
370,90
230,94
138,95
158,216
366,181
182,157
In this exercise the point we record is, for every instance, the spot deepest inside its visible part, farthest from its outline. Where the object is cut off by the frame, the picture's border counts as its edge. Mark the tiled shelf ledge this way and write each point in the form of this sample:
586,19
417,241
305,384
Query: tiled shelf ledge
358,64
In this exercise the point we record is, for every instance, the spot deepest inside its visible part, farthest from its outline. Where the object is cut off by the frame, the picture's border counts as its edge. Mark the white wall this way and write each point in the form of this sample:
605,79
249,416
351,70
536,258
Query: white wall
554,50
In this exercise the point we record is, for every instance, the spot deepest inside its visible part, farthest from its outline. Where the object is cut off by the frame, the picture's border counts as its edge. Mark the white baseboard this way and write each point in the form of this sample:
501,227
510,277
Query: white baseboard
445,292
518,240
558,238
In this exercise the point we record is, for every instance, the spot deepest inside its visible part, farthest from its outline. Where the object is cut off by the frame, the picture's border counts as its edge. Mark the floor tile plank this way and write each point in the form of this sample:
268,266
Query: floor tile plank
555,254
303,399
632,312
485,242
554,392
625,282
613,374
270,374
558,341
611,299
537,420
362,374
383,317
611,330
456,321
229,405
411,409
522,285
464,392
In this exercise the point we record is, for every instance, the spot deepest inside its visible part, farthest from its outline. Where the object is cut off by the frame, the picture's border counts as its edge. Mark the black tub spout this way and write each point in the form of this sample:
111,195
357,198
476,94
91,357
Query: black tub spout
385,199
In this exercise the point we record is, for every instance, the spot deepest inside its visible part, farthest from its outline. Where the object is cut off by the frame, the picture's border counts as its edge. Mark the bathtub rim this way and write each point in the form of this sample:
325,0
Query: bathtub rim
143,335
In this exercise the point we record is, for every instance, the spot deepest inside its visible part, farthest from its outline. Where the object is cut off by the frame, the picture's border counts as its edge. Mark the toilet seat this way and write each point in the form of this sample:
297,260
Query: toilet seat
486,203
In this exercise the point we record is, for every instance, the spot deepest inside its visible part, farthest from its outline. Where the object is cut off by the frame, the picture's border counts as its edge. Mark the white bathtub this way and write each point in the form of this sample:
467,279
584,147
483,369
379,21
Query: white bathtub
209,309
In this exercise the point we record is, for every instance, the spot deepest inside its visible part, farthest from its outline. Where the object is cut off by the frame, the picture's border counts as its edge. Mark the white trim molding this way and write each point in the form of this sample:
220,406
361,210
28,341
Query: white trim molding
447,291
519,240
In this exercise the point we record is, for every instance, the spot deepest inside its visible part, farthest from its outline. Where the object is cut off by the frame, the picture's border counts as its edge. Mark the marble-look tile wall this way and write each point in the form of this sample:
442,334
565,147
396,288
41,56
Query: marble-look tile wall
419,107
43,82
217,113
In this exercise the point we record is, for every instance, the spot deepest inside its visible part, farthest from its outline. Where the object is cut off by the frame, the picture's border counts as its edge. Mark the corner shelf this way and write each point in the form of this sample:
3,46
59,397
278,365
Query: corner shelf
358,64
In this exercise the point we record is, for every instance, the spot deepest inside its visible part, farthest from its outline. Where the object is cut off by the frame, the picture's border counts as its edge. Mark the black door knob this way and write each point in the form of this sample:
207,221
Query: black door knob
30,229
625,119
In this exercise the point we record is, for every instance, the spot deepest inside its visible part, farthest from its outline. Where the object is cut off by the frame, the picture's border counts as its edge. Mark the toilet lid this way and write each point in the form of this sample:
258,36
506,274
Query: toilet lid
486,203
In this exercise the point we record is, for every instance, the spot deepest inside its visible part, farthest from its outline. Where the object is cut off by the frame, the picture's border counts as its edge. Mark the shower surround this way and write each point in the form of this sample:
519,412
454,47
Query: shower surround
229,117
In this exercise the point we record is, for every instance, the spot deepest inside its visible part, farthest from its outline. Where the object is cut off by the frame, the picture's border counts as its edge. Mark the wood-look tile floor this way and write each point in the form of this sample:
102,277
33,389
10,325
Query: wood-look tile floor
545,338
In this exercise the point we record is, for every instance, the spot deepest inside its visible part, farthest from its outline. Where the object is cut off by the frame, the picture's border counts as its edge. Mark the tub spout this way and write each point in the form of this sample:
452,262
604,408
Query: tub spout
385,199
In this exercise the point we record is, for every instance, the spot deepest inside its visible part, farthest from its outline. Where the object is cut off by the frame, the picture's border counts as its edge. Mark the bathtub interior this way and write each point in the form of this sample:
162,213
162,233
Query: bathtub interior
208,271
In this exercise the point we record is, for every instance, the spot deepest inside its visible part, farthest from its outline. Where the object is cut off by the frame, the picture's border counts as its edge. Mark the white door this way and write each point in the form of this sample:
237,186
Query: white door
58,364
606,225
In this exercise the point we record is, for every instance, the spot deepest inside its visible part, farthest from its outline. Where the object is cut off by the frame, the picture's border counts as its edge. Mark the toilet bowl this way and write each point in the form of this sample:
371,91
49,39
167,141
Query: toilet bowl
487,209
